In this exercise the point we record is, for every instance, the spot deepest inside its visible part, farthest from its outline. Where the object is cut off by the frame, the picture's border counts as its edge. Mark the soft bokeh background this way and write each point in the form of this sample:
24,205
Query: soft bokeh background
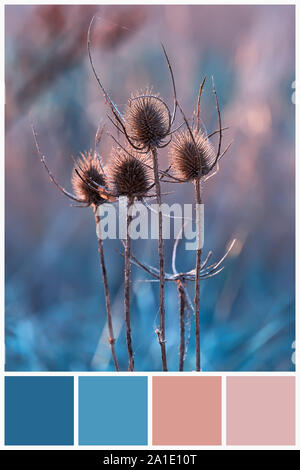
55,316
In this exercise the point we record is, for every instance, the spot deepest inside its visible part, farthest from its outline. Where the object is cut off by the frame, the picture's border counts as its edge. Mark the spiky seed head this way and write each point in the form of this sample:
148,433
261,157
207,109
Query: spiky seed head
128,175
190,161
147,119
90,172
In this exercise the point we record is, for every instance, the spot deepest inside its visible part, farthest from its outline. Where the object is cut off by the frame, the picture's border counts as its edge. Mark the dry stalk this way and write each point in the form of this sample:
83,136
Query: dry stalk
161,335
127,288
111,338
181,295
88,194
197,285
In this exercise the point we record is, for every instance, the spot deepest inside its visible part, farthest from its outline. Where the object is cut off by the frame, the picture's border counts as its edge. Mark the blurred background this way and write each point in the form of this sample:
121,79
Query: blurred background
55,313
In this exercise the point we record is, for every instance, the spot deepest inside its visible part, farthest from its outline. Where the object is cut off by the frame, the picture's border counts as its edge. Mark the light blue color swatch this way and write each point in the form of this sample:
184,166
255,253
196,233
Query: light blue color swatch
113,410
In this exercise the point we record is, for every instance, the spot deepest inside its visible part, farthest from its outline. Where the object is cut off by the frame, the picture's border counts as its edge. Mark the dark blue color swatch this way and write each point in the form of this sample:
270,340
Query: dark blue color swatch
39,411
113,410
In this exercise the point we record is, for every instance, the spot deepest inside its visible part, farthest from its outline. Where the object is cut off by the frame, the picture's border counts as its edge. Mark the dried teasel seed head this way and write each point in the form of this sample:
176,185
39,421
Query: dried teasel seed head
128,174
147,119
190,161
88,177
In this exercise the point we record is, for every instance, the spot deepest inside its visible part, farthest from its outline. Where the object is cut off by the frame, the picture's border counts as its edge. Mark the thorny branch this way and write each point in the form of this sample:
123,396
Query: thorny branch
206,272
84,203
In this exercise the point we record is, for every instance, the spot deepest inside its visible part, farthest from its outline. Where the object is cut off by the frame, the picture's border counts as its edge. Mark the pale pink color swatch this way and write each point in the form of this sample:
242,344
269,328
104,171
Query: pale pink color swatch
186,410
260,410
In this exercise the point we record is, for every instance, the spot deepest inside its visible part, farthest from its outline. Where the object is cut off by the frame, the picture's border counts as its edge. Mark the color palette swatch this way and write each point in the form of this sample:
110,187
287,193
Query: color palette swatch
261,410
39,411
186,411
115,410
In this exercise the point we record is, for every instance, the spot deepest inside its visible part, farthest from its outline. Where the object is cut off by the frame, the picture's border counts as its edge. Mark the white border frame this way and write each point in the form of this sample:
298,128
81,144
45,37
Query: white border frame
148,374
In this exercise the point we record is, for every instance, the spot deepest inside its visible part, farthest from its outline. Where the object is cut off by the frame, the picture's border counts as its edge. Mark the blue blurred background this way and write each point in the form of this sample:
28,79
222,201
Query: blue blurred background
55,315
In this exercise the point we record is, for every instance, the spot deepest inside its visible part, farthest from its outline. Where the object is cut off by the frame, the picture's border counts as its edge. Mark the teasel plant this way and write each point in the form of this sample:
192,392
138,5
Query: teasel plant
193,159
129,177
90,190
146,124
180,279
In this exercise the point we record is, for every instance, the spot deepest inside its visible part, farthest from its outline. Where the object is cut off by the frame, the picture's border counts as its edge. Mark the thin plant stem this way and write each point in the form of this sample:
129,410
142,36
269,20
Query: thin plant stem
181,296
198,104
197,285
111,338
127,289
161,335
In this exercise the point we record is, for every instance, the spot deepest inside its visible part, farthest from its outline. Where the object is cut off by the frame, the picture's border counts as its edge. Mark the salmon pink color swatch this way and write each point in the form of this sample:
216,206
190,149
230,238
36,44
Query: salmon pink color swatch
261,410
186,411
